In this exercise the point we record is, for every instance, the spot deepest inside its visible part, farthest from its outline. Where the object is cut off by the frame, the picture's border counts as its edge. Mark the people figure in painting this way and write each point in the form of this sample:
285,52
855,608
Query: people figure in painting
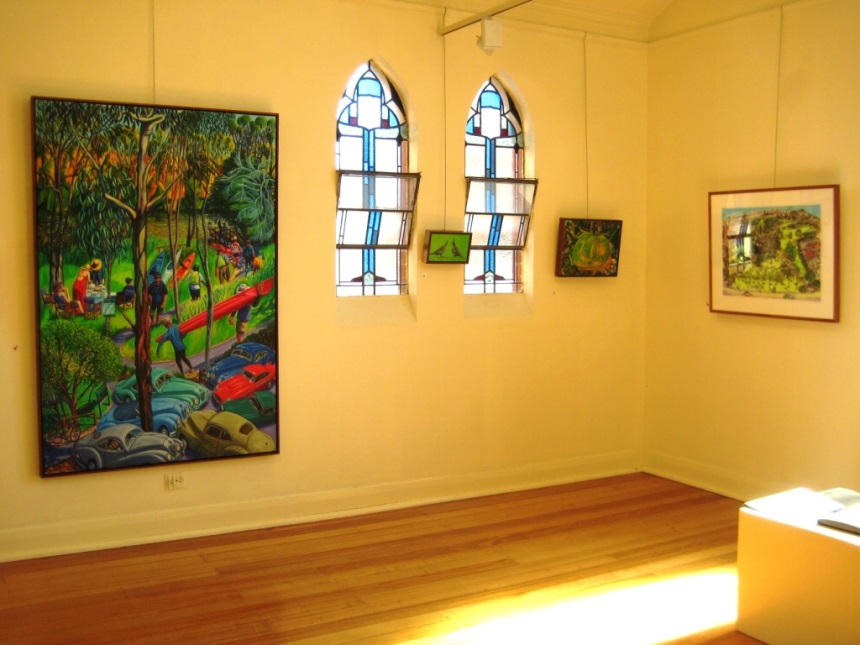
126,296
236,250
175,337
157,297
79,288
194,280
248,255
97,272
222,267
242,316
62,298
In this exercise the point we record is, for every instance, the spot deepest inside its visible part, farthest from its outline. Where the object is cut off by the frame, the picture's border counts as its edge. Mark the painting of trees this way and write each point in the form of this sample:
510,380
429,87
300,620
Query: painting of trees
775,252
116,186
74,361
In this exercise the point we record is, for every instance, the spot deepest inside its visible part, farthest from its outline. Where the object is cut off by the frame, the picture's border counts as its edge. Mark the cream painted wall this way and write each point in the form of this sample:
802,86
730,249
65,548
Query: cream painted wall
554,385
682,16
741,404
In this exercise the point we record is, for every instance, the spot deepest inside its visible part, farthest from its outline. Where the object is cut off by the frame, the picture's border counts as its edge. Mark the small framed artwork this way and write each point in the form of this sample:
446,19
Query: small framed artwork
588,248
447,247
775,252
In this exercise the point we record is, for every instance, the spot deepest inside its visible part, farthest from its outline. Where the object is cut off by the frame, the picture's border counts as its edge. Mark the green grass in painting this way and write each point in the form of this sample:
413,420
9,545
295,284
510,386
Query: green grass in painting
195,341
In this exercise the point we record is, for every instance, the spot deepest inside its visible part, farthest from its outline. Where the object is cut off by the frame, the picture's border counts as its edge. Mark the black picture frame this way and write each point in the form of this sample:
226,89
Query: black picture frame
156,253
447,247
588,248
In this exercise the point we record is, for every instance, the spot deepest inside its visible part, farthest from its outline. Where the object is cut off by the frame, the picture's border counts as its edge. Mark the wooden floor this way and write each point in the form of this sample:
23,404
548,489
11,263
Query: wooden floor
566,564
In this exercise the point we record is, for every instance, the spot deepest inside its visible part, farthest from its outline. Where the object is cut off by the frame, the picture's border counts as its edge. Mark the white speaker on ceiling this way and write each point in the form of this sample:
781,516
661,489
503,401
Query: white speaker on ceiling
491,35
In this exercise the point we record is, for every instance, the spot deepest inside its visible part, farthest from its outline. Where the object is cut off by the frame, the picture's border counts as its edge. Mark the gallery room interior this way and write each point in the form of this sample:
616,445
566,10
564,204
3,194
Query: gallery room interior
631,110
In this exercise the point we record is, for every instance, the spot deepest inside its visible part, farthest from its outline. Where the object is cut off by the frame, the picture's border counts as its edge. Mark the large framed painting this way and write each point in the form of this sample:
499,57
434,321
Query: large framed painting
775,252
588,248
156,254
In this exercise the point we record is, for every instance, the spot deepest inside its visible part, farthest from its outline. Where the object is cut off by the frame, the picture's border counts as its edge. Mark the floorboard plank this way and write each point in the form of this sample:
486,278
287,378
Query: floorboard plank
432,574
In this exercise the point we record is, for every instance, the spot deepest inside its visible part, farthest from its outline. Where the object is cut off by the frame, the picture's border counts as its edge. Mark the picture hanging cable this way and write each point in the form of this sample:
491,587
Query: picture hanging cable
445,124
776,111
152,22
585,117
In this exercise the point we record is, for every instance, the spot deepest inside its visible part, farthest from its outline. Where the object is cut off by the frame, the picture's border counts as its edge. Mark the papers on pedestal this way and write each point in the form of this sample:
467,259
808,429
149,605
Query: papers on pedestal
836,507
847,517
797,504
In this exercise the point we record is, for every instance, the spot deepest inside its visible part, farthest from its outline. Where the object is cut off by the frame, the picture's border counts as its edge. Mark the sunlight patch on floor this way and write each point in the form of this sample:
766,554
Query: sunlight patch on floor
647,613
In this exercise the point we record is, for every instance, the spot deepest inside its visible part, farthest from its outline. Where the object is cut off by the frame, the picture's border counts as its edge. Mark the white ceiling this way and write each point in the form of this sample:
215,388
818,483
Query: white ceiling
629,19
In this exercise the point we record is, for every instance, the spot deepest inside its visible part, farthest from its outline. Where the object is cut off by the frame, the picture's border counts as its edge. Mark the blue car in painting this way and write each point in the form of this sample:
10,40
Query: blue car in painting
240,356
125,445
165,384
167,413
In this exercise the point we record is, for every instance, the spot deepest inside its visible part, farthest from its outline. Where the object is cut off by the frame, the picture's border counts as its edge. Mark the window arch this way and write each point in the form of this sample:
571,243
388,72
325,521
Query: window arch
499,197
376,194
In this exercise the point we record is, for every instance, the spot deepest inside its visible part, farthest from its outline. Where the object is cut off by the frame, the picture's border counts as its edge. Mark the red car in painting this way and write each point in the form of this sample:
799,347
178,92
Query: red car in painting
252,378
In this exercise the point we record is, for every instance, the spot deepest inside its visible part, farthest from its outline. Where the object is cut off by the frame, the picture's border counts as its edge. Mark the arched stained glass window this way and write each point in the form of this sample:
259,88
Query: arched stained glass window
499,199
376,194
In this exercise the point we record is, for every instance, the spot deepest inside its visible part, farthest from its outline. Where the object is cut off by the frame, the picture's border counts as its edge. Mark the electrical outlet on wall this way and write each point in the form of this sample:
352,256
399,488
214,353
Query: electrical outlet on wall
174,481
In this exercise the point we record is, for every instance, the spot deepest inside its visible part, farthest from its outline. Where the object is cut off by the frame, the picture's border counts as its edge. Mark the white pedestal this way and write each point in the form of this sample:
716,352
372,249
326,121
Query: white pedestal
797,582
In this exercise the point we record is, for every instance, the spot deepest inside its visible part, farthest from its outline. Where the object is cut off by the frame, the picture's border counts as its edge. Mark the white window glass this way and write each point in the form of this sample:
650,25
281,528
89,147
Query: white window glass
497,211
375,202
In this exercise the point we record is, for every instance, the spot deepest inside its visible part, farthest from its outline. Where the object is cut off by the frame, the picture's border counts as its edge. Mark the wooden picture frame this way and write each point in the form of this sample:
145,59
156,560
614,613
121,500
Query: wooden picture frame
588,248
447,247
774,252
156,250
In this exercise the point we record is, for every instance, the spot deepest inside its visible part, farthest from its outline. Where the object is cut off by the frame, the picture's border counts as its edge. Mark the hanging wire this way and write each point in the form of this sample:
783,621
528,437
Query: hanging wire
445,123
778,81
152,20
585,119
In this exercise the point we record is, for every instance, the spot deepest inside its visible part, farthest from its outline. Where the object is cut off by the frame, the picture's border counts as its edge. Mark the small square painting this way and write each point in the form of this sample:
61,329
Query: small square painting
588,248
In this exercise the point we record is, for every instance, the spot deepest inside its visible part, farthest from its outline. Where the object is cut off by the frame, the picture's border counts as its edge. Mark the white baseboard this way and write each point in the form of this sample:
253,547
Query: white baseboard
707,477
173,524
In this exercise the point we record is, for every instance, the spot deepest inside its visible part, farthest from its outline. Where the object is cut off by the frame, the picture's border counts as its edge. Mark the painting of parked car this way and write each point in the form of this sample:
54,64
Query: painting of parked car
124,445
153,284
252,378
219,434
260,408
241,355
167,413
165,384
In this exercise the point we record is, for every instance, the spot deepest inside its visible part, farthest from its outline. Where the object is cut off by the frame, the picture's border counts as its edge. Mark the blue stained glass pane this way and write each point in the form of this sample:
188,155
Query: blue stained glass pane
489,261
372,236
369,153
369,87
491,98
495,230
390,116
368,261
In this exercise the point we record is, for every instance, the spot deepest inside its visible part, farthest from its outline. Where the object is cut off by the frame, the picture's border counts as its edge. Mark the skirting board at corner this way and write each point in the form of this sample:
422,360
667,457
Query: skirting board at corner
707,477
94,534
